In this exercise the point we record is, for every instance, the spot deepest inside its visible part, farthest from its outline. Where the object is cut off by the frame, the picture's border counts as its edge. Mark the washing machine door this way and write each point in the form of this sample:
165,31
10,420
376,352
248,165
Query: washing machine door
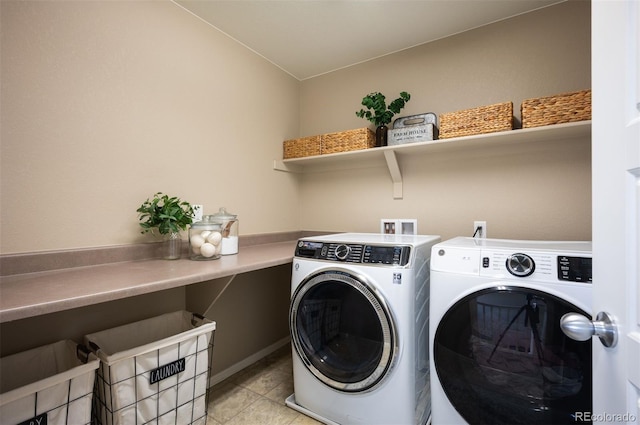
342,330
502,358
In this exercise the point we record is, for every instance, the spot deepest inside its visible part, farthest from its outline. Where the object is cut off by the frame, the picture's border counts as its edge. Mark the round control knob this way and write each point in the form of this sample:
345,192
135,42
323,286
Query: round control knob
342,252
520,265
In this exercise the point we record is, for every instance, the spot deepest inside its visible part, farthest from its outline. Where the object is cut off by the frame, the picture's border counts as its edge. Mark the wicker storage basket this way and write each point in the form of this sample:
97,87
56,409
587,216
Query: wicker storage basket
305,146
561,108
350,140
483,119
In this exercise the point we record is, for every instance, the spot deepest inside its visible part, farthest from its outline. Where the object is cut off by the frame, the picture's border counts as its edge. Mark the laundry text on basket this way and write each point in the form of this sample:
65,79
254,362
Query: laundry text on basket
167,370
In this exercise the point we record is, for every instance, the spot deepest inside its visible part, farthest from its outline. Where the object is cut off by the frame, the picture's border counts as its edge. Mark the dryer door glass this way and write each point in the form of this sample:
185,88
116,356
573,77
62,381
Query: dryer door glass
342,330
502,358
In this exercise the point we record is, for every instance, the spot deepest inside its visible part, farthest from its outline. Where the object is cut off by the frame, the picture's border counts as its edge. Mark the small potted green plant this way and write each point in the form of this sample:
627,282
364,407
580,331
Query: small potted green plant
167,216
380,114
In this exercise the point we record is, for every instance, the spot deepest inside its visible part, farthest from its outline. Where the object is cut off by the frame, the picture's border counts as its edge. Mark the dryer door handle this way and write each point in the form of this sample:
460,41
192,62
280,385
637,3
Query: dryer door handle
580,328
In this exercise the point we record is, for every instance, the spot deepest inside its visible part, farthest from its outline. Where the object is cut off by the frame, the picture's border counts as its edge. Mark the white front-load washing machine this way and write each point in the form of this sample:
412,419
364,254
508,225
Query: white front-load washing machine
498,353
359,324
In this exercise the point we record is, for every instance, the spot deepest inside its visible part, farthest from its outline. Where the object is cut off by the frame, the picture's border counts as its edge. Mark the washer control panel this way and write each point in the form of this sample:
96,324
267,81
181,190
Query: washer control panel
393,255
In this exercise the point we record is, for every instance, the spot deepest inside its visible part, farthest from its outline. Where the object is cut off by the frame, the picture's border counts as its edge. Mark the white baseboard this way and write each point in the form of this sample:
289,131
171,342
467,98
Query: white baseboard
224,374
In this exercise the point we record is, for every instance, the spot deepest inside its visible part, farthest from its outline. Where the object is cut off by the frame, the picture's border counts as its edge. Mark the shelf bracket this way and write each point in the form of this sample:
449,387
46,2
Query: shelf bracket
279,165
394,170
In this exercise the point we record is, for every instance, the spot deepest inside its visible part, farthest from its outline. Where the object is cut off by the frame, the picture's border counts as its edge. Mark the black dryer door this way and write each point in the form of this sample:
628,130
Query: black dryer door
502,358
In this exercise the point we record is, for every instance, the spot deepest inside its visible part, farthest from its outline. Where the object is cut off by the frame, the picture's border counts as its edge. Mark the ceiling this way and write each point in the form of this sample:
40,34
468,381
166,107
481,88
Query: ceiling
307,38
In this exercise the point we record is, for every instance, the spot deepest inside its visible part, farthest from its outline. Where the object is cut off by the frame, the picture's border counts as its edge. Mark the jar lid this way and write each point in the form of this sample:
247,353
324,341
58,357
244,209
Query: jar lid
222,214
209,222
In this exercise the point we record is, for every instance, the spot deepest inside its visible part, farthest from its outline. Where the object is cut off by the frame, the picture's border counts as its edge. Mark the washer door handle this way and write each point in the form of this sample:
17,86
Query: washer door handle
580,328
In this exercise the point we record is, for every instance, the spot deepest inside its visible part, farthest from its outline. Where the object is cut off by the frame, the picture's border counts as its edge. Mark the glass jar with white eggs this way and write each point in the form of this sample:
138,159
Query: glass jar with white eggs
205,239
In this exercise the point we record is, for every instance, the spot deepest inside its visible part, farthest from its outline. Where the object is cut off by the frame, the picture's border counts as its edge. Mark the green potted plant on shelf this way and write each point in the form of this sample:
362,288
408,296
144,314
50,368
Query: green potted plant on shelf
380,114
167,216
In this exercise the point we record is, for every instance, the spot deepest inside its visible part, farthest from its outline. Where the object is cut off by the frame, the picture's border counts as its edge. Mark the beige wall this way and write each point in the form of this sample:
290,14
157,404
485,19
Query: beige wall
540,191
105,103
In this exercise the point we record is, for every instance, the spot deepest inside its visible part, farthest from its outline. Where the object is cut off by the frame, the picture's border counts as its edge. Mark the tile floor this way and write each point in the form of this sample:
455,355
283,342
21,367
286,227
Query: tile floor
255,395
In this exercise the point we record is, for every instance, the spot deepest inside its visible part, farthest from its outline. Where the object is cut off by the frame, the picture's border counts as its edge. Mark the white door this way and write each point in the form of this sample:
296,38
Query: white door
616,205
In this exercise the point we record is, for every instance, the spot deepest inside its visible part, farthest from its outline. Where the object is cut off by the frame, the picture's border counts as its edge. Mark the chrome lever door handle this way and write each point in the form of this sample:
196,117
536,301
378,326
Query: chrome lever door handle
580,328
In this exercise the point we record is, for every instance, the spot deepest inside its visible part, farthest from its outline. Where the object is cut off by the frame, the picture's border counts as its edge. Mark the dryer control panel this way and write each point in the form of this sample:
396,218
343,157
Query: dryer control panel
546,266
501,259
392,255
575,269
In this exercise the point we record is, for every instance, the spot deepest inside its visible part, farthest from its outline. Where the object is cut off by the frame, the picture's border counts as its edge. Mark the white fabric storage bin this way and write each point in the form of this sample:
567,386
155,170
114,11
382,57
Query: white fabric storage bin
52,384
154,371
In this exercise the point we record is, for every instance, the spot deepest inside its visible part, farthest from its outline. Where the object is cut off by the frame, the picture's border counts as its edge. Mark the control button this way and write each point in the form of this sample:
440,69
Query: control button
485,262
520,265
342,252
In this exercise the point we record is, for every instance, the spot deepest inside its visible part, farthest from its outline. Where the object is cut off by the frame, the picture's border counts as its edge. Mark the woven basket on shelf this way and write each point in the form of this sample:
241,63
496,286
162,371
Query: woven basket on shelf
557,109
304,146
350,140
343,141
483,119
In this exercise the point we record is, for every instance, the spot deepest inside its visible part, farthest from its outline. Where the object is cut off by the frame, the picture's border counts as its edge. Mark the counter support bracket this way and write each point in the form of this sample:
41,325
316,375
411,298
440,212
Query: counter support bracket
226,285
394,170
